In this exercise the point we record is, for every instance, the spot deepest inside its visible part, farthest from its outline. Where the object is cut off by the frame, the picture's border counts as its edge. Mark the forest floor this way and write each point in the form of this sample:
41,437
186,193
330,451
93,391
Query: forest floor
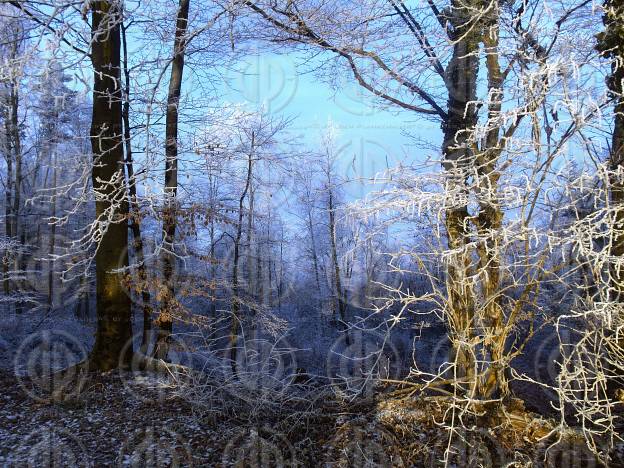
144,419
119,419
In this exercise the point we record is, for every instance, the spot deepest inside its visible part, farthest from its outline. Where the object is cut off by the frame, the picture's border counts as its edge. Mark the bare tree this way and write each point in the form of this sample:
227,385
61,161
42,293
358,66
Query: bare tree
611,45
13,47
135,219
113,304
165,319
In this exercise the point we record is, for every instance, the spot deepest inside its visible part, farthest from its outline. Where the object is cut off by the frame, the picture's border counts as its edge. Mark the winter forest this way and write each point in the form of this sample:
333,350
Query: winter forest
334,233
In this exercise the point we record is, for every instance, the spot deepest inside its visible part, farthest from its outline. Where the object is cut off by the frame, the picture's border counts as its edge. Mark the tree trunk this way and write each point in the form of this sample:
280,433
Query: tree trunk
490,220
611,44
315,261
165,317
114,315
461,80
280,278
251,283
341,306
82,305
259,289
52,240
8,210
236,319
17,185
14,163
213,269
135,222
8,201
617,196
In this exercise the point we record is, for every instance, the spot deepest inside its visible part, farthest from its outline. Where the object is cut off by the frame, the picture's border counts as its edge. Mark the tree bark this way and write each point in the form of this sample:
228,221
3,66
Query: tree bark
611,44
251,283
313,251
341,305
13,158
52,240
236,307
490,218
8,202
17,203
213,268
135,219
8,211
114,328
165,317
457,149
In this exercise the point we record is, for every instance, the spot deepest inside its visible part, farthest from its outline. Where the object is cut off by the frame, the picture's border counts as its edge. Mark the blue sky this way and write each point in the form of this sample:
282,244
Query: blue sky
369,137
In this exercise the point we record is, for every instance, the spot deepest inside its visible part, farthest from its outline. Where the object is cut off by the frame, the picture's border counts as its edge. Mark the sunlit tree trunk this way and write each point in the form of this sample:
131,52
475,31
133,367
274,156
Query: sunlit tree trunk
490,218
458,151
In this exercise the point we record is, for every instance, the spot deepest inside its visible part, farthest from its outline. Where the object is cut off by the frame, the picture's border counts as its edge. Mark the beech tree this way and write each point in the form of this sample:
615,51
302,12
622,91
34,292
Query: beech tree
509,224
12,50
165,320
451,42
133,201
611,44
114,313
330,190
591,375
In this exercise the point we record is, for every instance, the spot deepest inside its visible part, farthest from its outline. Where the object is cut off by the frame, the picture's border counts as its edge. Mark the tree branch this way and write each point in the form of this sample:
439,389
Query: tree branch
33,17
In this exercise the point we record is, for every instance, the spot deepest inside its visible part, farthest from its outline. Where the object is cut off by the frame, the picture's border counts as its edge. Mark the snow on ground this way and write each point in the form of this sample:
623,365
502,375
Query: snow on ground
130,419
146,419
